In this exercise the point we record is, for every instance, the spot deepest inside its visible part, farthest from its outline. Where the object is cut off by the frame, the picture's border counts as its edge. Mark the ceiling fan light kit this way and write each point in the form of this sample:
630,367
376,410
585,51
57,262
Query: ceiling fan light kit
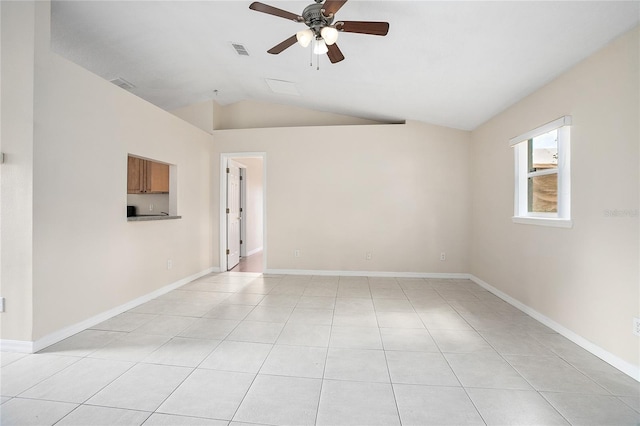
320,47
319,17
304,37
329,34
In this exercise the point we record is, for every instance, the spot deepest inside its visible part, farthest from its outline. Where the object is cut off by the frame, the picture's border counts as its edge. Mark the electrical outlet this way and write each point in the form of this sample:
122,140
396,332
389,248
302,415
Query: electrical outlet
296,253
150,207
1,304
367,256
443,256
169,264
636,326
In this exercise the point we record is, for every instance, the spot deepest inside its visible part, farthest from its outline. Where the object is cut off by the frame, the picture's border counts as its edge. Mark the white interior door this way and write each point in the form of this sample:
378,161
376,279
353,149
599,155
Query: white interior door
243,210
233,214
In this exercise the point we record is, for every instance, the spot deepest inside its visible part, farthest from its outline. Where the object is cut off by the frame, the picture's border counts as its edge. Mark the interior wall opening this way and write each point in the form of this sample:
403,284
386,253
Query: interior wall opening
243,212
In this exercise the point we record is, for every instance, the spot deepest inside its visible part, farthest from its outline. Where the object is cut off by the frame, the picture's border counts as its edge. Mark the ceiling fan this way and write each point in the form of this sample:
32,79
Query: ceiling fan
319,18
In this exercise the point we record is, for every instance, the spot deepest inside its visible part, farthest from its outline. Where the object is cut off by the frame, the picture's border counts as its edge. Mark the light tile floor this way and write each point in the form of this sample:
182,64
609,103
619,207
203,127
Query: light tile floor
238,348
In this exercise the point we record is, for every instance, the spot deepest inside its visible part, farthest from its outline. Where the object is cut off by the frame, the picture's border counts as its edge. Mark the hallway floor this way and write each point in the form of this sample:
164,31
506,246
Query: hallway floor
251,263
237,348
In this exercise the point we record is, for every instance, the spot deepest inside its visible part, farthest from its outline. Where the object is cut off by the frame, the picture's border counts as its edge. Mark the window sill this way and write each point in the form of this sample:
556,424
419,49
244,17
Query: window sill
544,221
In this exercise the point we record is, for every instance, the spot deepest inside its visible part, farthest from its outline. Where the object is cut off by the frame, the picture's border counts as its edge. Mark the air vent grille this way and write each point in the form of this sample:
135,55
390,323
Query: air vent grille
240,49
122,83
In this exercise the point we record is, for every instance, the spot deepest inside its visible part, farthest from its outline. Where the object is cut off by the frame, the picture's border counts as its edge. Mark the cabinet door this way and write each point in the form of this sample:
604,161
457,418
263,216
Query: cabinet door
157,177
135,175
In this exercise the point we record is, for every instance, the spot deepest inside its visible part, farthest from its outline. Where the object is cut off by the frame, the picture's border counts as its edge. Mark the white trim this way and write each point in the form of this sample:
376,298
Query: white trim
240,274
563,171
554,222
254,251
545,128
57,336
366,273
222,218
243,210
222,204
19,346
564,175
520,185
626,367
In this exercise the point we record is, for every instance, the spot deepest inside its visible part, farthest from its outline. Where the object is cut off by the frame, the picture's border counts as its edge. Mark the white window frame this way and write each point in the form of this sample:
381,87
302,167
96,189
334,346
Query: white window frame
519,144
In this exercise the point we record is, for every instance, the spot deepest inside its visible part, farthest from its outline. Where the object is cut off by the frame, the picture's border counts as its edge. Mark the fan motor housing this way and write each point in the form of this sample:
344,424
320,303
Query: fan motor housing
314,18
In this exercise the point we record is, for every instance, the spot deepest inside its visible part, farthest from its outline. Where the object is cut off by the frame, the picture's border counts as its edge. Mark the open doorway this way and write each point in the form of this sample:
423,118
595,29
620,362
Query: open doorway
242,212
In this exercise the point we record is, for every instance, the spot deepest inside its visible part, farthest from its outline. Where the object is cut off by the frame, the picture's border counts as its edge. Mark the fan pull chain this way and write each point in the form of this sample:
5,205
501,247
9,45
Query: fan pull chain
311,57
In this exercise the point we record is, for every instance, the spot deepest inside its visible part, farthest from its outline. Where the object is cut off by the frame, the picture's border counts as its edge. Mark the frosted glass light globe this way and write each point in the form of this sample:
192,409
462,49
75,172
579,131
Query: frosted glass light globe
330,35
320,48
304,37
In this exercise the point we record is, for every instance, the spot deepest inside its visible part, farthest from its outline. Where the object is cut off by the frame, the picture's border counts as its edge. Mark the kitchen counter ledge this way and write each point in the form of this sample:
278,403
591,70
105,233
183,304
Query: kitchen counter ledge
145,218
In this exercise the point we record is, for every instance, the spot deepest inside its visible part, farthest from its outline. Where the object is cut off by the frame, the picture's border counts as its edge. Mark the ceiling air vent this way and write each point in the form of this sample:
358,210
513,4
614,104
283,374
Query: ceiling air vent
240,49
122,83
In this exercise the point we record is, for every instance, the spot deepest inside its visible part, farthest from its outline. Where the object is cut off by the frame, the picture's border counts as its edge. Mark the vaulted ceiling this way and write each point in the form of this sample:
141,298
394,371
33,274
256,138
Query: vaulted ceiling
451,63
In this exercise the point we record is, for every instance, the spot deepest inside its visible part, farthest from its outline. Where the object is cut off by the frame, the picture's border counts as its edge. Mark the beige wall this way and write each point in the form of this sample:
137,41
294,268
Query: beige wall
400,192
16,174
200,115
253,114
87,259
585,278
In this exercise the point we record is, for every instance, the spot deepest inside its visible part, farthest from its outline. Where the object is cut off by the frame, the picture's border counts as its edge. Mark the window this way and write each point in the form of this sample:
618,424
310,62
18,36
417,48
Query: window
542,175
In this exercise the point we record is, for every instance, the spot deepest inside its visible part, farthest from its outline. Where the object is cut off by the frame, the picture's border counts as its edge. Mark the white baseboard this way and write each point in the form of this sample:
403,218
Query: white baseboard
48,340
617,362
20,346
366,273
254,251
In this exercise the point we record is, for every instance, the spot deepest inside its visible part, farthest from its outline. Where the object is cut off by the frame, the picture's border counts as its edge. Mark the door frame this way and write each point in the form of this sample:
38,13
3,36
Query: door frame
222,201
243,208
230,212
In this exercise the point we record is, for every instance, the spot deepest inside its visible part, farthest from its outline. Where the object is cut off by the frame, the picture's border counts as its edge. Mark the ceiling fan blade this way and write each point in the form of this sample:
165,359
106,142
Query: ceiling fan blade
363,27
332,6
282,46
334,53
265,8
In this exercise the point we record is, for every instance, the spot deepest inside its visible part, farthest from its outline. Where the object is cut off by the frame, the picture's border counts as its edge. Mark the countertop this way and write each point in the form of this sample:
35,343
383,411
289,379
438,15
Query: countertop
147,217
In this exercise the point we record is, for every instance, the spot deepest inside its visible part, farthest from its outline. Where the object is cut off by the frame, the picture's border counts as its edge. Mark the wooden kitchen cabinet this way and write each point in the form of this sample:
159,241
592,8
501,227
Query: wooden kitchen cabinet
147,177
135,175
157,177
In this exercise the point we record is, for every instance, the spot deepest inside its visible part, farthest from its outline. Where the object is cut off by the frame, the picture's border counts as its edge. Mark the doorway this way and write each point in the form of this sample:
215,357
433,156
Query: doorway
243,212
233,212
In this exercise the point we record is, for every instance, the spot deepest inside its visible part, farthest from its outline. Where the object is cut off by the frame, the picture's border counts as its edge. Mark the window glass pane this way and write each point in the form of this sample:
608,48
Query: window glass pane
543,193
543,152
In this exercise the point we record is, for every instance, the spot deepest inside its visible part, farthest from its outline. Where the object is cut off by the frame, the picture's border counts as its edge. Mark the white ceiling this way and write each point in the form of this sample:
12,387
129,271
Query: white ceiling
455,64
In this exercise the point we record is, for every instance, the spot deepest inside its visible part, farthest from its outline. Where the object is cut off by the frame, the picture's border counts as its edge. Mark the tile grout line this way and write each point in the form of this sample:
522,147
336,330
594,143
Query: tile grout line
235,412
457,305
326,357
393,391
264,360
505,360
